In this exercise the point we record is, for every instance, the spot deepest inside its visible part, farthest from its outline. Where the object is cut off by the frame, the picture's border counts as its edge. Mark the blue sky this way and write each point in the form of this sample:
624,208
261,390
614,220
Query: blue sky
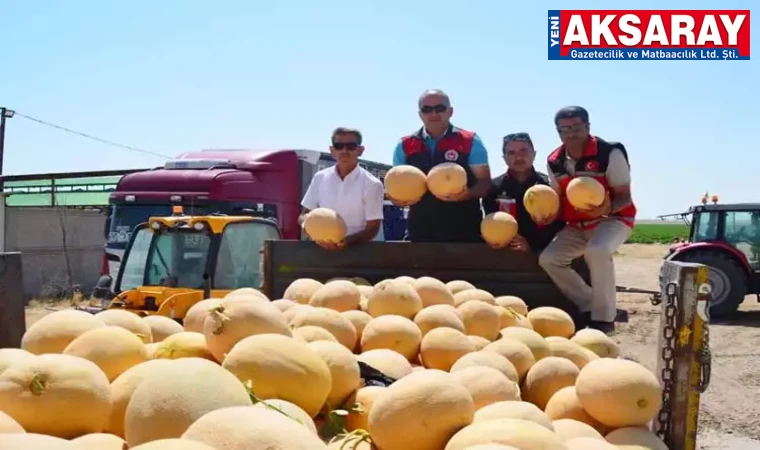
173,76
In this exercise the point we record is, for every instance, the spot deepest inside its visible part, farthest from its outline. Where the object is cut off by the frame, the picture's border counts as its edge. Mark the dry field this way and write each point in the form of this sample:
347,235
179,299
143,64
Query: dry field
730,409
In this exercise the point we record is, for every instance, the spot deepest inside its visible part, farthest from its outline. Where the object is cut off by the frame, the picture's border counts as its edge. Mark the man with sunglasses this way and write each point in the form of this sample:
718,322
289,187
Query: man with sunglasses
455,218
348,189
594,233
519,154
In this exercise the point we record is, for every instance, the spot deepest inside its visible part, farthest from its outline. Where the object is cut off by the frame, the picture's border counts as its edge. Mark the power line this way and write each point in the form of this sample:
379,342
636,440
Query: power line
95,138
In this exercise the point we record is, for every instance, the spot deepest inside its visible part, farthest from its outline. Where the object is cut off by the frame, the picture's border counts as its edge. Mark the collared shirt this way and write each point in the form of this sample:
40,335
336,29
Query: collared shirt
478,154
357,198
507,185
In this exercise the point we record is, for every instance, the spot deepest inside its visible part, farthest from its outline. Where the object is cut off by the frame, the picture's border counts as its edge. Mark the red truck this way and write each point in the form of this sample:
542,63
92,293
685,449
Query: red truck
261,183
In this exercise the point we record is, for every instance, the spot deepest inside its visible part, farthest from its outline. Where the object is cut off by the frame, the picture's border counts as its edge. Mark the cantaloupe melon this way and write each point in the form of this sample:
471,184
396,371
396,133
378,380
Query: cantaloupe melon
292,312
395,297
570,429
487,359
442,347
515,351
359,319
162,326
301,290
392,364
251,427
114,349
35,441
344,371
53,332
479,342
196,314
438,316
537,344
350,441
231,322
438,397
565,348
404,279
284,304
9,425
456,286
122,389
564,404
635,438
330,320
166,401
515,303
186,344
596,341
618,392
361,403
291,410
312,333
491,447
446,179
246,294
523,322
281,367
546,377
551,321
468,295
513,409
39,394
393,333
433,292
587,443
325,225
507,317
541,202
487,385
340,295
100,441
173,444
405,184
480,319
10,356
523,434
127,320
585,193
498,228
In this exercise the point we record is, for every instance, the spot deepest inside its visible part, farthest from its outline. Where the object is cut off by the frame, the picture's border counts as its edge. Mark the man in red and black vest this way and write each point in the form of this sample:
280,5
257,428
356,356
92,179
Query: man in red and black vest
596,233
455,218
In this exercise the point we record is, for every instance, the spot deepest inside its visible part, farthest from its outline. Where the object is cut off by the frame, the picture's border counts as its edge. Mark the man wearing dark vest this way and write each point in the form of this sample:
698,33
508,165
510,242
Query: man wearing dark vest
456,218
519,154
596,233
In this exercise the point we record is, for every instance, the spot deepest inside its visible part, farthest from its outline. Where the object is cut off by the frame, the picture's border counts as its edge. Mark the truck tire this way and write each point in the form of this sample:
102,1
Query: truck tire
727,279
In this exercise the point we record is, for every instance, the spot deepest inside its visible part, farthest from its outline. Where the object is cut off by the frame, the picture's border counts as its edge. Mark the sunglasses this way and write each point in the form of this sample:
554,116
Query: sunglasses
440,108
350,146
571,129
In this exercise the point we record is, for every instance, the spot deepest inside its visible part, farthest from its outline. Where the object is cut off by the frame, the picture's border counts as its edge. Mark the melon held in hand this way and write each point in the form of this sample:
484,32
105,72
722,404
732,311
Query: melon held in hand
446,179
585,193
541,202
325,225
498,228
405,184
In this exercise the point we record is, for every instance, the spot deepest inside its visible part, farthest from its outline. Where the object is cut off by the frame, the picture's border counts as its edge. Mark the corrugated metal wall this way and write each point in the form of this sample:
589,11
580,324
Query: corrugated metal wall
38,234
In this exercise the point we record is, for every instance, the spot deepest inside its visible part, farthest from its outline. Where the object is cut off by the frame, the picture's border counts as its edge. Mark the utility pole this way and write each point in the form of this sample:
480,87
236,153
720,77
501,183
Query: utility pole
5,113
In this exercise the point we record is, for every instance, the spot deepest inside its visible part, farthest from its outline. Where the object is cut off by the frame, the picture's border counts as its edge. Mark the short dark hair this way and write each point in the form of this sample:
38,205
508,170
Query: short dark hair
343,130
519,137
569,112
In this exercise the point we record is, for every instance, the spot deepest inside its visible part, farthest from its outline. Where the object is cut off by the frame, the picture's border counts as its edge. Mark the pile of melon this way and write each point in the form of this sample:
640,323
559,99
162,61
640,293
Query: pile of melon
468,371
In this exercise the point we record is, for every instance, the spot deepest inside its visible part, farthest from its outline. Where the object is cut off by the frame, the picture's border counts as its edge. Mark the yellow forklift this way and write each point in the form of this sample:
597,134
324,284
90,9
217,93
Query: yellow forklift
173,262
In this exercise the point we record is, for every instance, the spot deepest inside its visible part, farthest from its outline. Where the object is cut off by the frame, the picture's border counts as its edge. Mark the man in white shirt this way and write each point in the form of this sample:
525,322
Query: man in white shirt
349,190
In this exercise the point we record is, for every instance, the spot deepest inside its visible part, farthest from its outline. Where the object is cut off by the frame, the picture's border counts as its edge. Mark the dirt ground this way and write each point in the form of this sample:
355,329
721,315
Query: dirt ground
729,417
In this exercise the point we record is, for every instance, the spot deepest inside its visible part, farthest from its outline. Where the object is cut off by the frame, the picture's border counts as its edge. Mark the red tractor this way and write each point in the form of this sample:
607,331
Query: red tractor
725,237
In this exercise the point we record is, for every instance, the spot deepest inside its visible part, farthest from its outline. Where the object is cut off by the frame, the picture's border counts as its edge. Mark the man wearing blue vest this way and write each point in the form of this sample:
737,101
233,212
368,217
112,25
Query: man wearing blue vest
456,218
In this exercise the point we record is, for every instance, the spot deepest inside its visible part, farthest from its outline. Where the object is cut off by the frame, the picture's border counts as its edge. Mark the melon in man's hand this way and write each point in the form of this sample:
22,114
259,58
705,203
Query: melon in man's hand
325,225
498,228
405,184
541,202
585,193
446,179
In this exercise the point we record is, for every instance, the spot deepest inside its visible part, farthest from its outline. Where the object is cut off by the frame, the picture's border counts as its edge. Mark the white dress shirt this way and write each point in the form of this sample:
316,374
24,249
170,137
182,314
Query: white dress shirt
357,198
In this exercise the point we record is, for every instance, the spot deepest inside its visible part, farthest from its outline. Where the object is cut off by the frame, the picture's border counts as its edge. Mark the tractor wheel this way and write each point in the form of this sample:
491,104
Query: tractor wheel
727,279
